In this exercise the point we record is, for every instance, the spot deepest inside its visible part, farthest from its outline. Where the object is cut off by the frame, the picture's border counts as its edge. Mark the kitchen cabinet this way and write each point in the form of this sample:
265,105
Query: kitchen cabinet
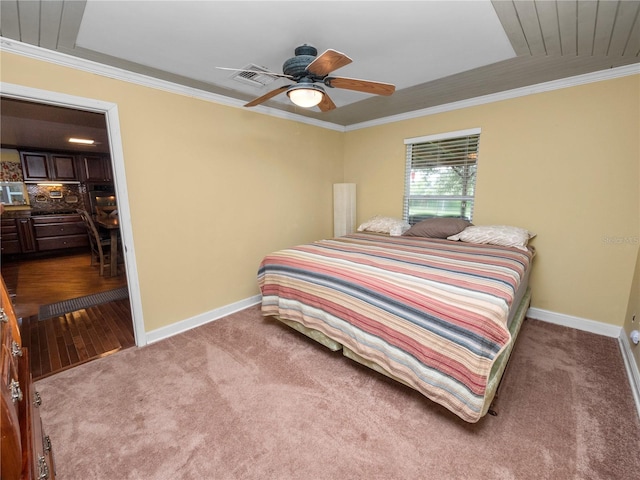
45,166
17,236
95,168
26,235
9,242
25,451
54,232
41,233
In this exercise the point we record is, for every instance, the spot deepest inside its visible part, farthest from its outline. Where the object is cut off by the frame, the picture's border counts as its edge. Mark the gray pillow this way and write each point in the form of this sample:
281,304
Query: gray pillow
438,227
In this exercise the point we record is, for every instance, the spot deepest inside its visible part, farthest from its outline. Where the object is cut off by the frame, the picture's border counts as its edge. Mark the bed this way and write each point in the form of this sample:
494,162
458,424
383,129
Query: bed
440,316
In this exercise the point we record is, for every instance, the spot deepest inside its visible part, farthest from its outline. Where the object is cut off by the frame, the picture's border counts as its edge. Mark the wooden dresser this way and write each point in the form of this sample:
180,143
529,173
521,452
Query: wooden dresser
25,451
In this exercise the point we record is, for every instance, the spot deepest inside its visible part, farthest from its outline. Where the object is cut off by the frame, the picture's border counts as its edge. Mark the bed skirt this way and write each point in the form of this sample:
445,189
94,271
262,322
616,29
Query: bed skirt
497,370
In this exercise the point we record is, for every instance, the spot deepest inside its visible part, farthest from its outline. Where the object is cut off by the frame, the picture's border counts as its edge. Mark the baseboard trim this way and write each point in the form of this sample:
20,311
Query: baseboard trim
202,319
575,322
598,328
632,368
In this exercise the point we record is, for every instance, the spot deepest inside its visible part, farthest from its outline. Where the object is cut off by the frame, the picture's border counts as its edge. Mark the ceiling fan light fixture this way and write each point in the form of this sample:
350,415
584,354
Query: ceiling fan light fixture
305,95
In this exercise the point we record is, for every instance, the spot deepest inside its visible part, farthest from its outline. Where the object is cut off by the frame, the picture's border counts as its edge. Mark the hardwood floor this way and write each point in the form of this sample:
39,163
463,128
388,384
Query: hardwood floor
40,281
62,342
59,343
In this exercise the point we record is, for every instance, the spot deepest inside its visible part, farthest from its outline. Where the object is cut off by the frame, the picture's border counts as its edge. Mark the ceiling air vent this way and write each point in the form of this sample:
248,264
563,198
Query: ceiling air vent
251,75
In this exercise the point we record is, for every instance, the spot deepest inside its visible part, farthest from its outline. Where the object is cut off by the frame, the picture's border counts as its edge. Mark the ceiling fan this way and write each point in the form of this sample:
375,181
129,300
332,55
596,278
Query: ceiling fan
307,69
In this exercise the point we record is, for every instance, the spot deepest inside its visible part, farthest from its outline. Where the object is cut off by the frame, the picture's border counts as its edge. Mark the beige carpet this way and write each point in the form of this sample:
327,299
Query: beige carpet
247,398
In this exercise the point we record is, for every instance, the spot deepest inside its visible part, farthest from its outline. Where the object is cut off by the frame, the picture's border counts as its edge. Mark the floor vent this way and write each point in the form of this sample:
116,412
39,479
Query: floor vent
252,75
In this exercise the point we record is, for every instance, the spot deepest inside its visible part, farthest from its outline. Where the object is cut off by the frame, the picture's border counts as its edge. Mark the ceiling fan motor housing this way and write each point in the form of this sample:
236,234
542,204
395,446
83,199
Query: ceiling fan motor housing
297,66
306,69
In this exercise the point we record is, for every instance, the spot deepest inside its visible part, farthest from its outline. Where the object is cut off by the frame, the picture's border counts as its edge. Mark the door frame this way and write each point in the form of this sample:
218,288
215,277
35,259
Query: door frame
110,111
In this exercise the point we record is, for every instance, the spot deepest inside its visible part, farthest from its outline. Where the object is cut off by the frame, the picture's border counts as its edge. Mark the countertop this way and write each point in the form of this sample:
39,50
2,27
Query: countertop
35,213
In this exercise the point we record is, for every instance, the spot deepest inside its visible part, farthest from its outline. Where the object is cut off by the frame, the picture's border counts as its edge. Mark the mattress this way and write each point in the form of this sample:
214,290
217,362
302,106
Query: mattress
433,314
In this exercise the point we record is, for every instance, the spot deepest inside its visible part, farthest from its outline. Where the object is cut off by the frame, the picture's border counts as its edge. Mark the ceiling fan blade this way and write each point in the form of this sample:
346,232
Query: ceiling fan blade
267,96
261,72
326,104
327,62
366,86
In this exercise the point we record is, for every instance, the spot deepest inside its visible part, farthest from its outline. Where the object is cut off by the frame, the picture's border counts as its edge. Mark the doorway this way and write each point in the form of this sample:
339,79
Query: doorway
69,313
110,112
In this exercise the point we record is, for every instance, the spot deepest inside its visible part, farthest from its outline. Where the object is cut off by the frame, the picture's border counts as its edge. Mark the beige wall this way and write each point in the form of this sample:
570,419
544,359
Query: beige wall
564,164
212,189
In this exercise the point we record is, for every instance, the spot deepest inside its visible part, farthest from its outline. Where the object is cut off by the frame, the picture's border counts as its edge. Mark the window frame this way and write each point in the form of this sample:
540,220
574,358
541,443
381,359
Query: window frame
409,142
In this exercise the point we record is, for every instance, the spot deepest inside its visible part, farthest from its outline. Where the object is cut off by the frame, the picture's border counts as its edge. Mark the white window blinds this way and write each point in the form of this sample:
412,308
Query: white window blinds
441,176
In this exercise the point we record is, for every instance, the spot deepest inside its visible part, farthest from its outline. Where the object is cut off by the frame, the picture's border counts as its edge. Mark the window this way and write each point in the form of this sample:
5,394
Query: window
441,176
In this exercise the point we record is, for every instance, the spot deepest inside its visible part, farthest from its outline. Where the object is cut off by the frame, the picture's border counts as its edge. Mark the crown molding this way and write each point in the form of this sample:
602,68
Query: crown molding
575,81
63,59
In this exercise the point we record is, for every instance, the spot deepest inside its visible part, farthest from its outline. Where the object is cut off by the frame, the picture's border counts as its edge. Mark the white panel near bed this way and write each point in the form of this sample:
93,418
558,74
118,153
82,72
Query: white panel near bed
344,209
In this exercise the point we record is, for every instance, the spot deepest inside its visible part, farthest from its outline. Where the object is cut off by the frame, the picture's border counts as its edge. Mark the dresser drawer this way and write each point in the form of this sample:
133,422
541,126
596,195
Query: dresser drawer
9,242
8,237
59,229
10,411
8,226
11,444
36,452
8,247
45,219
69,241
25,451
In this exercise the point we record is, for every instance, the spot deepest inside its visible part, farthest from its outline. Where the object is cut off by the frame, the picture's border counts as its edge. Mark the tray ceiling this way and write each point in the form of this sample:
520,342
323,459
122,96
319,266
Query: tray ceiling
435,52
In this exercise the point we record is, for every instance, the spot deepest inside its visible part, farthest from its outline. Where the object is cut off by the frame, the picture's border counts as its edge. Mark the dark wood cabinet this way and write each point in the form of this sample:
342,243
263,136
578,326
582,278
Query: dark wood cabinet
17,236
35,166
9,243
42,233
25,451
95,168
44,166
64,167
26,235
54,232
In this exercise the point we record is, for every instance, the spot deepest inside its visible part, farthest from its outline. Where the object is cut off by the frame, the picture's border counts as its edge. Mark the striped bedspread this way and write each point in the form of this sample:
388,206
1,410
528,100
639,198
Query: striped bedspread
431,313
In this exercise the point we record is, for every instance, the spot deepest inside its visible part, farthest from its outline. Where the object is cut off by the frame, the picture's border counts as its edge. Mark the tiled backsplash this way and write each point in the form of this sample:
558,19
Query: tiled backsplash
63,198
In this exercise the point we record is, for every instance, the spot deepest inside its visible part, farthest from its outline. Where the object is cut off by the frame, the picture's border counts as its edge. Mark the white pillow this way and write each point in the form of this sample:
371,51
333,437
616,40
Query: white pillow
503,235
392,226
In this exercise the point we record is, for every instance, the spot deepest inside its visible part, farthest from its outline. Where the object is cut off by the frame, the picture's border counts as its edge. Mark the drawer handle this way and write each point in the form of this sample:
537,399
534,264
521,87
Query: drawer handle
16,393
46,443
16,350
37,399
3,316
43,468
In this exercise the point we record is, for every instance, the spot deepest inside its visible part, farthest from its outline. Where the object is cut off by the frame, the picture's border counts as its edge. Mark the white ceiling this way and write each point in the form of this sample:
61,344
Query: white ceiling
404,43
435,52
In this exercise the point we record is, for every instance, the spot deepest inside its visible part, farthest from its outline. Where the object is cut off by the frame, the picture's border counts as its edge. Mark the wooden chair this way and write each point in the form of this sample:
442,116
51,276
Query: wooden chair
106,211
100,247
